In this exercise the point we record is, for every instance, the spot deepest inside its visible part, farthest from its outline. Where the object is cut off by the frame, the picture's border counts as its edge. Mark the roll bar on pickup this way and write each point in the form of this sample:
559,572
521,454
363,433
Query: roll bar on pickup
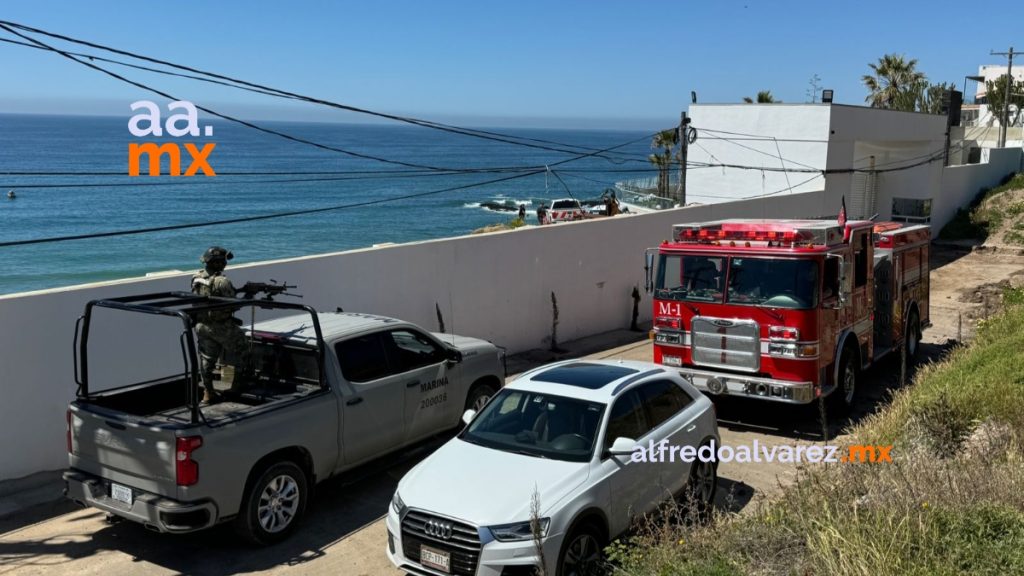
185,306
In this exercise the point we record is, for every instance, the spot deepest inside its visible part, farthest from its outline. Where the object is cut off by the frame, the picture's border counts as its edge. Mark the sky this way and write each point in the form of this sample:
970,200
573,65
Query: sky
554,63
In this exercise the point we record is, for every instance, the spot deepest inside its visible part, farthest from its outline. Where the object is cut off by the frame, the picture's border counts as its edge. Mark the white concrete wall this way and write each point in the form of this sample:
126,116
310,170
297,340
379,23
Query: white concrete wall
960,184
495,286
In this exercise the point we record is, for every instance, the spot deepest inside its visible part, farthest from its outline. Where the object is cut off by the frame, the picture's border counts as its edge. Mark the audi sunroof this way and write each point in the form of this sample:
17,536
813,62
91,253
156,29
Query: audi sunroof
584,374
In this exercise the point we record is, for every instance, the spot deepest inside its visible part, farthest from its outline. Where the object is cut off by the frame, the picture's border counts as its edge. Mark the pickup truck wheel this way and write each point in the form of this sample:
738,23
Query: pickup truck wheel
581,553
274,504
842,398
479,396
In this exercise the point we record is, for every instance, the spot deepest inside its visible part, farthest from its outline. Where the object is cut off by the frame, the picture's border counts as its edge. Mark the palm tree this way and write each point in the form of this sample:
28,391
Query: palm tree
666,140
763,97
896,83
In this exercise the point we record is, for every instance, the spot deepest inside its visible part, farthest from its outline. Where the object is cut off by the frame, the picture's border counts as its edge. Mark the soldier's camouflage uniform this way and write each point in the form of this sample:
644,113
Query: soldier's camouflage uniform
218,332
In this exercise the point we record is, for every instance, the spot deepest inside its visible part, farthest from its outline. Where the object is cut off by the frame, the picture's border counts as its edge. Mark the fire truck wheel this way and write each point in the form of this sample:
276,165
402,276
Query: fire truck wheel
913,337
842,398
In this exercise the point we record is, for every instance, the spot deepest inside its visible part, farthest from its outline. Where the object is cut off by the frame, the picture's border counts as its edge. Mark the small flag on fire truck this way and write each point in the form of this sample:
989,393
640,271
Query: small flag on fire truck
842,213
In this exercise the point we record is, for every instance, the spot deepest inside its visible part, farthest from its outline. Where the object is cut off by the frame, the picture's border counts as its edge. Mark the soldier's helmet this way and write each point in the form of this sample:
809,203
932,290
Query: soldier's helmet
216,253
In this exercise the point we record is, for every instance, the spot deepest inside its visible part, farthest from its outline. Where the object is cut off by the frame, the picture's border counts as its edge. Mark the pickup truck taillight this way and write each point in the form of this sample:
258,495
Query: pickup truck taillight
186,470
67,431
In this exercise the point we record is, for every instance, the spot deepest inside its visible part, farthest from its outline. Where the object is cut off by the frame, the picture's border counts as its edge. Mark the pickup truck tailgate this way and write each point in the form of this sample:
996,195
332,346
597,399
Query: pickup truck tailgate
136,454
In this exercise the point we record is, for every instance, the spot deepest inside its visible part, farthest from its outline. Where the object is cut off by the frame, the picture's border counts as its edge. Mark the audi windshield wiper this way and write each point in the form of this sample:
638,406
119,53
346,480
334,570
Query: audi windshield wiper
528,453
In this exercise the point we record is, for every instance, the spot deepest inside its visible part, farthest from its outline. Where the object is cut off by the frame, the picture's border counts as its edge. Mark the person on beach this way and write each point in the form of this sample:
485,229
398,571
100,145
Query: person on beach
522,212
217,331
542,214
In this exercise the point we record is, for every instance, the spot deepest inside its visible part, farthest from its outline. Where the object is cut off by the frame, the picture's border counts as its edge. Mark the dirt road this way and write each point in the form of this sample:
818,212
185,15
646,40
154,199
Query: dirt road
344,533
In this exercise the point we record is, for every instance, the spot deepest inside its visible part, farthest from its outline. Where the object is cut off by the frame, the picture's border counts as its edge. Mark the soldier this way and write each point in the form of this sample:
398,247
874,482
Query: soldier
217,330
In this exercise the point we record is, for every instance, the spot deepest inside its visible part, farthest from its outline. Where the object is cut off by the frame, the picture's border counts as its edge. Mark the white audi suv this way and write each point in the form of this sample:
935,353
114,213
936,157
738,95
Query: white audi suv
577,438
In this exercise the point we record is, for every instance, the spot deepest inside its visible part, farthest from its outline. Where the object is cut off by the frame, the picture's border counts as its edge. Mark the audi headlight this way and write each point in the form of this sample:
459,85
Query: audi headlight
518,531
397,504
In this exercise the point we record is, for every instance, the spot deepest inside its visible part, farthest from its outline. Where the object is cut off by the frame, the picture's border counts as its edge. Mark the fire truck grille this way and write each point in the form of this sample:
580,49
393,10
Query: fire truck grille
729,344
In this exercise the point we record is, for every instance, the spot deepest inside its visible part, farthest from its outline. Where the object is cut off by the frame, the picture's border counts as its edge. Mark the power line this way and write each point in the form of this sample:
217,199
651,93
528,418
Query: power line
763,137
270,91
369,173
145,68
221,182
148,230
768,154
254,218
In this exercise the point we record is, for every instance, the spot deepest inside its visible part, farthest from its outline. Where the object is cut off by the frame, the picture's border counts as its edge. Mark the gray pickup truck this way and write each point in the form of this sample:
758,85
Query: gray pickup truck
328,392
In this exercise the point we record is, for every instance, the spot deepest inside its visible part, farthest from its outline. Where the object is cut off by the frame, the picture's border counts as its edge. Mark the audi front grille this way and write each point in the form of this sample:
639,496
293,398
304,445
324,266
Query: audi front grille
460,540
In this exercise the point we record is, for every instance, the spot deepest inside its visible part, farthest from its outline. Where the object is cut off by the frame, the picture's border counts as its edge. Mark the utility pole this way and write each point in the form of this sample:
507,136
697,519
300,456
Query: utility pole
684,143
1006,99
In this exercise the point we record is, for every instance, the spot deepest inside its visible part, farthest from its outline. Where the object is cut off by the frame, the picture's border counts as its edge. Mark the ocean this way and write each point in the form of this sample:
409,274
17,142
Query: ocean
115,201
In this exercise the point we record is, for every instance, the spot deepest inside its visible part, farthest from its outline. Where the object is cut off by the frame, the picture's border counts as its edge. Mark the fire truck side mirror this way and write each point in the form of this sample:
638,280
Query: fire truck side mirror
649,271
843,294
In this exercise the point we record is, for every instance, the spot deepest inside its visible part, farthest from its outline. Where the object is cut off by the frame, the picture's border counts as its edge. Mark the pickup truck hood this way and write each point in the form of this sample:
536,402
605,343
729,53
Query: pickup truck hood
487,487
464,343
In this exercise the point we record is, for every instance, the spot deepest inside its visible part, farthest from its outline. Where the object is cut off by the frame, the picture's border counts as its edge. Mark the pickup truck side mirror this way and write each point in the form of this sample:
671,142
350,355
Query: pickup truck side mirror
453,356
622,447
468,416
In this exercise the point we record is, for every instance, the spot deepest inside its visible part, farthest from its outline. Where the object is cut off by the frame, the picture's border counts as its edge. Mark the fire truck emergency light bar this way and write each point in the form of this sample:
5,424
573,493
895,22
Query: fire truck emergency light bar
806,232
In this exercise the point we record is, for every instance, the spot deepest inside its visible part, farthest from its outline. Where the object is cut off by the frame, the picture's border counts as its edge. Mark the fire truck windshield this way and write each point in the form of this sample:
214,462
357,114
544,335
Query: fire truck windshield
694,278
773,282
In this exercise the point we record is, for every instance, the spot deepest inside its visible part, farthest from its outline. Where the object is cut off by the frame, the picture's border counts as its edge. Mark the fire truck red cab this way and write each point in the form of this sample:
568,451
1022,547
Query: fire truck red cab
787,310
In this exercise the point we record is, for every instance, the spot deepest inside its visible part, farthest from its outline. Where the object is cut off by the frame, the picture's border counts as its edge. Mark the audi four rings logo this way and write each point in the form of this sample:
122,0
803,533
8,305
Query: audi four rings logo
442,530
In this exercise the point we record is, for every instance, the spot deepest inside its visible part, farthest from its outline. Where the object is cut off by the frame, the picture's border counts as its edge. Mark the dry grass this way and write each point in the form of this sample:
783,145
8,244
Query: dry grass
987,214
952,501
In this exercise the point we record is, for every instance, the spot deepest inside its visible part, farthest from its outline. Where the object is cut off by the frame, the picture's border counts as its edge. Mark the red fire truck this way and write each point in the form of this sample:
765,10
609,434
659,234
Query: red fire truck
787,310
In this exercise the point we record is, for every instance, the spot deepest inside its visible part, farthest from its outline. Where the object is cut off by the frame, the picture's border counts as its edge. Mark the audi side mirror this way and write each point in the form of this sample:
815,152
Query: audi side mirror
622,447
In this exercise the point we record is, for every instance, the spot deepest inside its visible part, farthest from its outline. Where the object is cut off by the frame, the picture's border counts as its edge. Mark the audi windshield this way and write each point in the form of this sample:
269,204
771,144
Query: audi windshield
753,281
539,425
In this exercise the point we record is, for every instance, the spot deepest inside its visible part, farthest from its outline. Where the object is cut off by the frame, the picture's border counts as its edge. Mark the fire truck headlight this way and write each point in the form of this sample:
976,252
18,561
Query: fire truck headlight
792,350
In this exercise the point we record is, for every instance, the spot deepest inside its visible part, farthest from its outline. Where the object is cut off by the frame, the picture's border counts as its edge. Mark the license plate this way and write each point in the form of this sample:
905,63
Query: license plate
121,493
435,559
672,361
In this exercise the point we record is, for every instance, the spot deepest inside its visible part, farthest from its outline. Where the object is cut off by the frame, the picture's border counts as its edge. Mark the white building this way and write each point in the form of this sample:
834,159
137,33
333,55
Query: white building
983,123
991,73
776,149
